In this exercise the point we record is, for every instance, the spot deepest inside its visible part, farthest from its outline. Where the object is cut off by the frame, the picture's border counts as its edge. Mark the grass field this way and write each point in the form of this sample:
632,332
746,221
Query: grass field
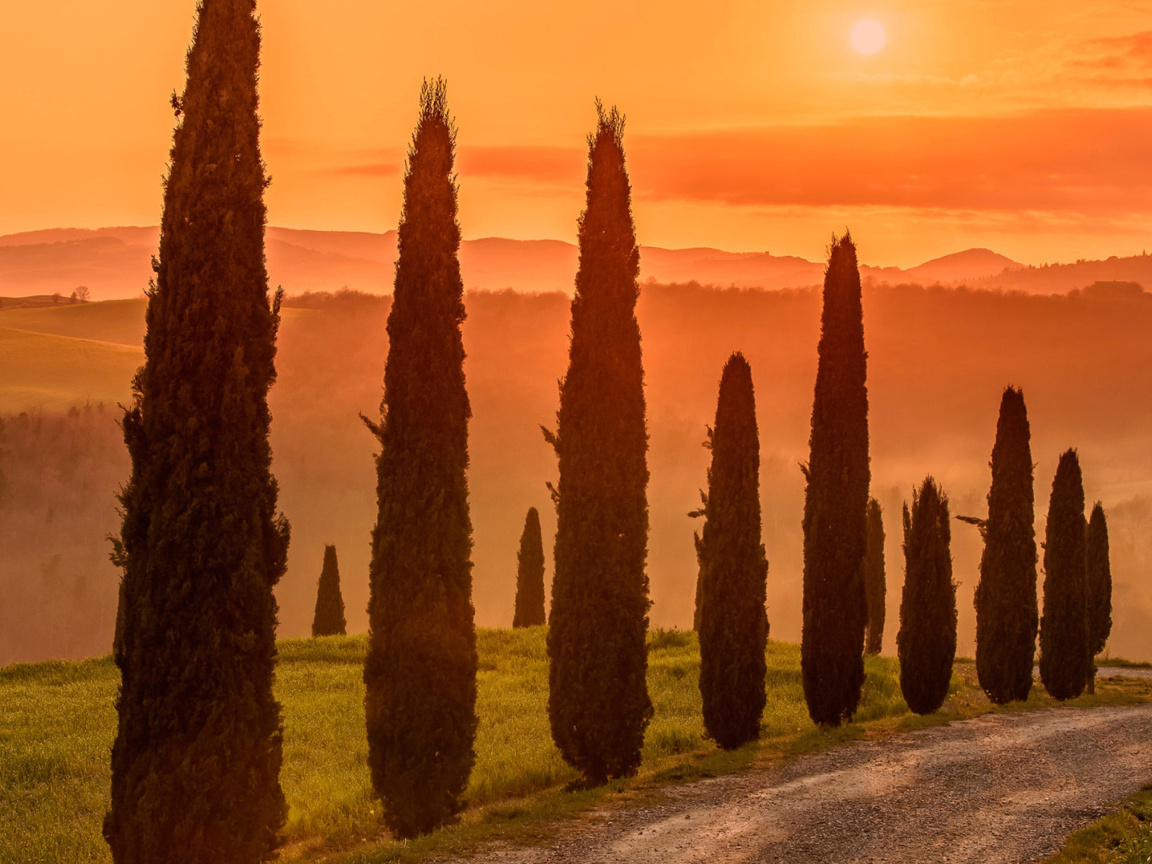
1122,837
57,721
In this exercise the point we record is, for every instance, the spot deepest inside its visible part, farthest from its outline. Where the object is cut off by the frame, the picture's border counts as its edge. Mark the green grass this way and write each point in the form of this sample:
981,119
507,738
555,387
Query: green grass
1122,837
57,721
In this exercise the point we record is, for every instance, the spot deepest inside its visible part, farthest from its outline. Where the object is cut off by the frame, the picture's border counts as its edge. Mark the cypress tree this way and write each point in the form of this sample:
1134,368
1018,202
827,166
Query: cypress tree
926,642
530,574
1006,608
328,619
420,672
733,569
196,759
874,587
836,501
1099,588
598,704
1064,657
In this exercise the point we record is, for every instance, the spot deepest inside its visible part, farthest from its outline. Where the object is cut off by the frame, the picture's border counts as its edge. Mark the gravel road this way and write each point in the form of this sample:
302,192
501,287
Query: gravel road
999,788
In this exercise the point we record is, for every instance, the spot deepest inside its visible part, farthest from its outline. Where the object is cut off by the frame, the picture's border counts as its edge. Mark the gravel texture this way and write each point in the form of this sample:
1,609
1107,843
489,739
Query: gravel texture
998,788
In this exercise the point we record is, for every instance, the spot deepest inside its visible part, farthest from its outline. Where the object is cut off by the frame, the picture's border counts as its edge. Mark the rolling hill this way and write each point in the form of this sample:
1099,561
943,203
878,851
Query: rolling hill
115,263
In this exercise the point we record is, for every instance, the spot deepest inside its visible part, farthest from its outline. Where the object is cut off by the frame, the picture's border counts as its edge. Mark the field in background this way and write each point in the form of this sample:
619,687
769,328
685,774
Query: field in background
938,360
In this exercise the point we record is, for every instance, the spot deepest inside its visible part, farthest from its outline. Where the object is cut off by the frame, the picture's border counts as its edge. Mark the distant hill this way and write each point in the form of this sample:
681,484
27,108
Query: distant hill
962,267
1062,278
116,263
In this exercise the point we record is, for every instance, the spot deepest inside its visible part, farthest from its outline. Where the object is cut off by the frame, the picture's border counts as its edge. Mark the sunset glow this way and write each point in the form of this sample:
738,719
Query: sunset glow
868,36
754,127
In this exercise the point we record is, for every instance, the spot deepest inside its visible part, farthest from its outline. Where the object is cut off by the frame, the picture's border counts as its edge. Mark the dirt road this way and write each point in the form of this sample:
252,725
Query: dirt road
999,788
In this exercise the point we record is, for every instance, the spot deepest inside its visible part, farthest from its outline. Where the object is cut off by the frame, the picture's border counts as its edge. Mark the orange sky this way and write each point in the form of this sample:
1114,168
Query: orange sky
752,125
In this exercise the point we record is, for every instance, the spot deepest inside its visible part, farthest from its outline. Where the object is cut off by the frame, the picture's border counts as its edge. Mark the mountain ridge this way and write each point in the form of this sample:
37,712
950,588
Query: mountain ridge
115,263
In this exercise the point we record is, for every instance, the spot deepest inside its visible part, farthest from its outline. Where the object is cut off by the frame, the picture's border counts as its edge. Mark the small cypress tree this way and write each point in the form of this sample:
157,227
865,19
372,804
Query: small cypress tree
874,587
836,501
1064,656
733,569
530,574
1099,587
420,672
1006,607
598,704
328,619
926,642
196,759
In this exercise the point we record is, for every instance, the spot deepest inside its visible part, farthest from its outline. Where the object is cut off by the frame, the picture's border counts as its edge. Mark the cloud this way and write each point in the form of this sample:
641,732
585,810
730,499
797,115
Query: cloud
1121,62
1085,161
538,165
550,166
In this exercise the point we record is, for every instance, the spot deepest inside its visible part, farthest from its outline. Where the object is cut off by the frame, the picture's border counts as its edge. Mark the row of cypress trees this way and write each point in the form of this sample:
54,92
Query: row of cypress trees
196,759
843,603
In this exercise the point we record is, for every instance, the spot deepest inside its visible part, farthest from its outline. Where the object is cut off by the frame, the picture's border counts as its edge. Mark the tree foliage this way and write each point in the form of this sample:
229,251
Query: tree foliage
1006,607
420,672
733,569
196,759
530,574
328,619
1064,656
598,703
836,501
926,642
874,587
1099,581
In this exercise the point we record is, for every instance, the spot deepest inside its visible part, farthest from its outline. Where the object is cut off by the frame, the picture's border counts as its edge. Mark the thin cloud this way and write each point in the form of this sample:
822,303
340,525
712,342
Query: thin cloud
1067,160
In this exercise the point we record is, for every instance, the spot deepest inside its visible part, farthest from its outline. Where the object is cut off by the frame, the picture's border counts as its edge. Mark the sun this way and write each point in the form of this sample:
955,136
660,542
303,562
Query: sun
868,36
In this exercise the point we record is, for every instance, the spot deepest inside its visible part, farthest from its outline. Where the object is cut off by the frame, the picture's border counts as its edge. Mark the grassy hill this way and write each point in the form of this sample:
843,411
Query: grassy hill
55,372
118,321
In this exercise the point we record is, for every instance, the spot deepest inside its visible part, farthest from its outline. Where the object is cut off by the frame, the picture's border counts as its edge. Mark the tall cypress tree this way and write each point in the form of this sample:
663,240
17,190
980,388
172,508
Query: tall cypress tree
196,760
836,501
1099,588
874,587
420,673
926,642
598,703
1006,608
1064,657
328,620
530,574
733,569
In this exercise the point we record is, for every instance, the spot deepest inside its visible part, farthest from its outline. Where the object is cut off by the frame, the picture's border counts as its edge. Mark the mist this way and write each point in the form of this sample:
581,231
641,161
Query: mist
938,361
